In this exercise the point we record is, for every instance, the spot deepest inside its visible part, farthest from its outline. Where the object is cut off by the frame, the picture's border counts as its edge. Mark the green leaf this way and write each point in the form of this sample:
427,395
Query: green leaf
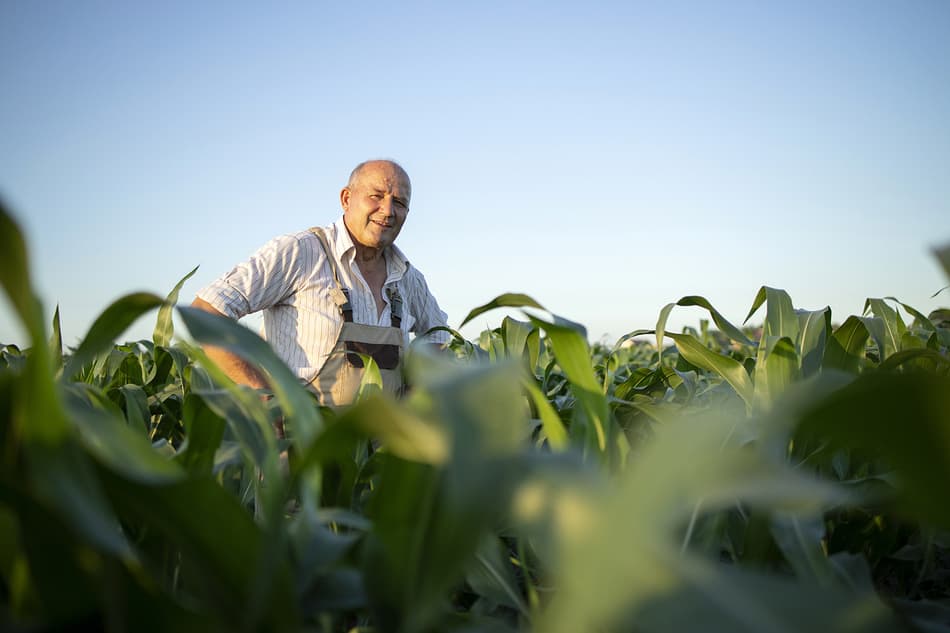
661,330
515,335
428,520
745,601
901,419
725,326
63,478
164,328
876,328
371,383
922,358
112,441
507,300
814,329
15,274
845,350
113,321
137,415
649,583
756,303
50,584
56,344
780,317
894,327
297,406
728,368
36,412
919,318
204,431
573,355
551,423
224,553
491,577
403,433
800,539
781,363
242,408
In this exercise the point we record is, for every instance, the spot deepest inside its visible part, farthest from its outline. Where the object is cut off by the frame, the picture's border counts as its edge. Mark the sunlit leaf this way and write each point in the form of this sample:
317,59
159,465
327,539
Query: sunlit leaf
164,328
113,441
845,350
56,344
725,326
550,421
508,300
894,327
814,330
297,406
728,368
573,355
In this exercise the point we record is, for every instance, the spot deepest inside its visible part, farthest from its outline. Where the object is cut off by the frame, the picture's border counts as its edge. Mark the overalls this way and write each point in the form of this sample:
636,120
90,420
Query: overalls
338,381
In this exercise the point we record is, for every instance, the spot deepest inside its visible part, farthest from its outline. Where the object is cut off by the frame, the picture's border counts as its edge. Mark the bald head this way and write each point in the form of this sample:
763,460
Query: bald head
379,162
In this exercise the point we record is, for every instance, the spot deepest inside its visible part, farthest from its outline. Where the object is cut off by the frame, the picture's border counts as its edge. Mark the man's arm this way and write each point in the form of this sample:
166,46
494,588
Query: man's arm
237,369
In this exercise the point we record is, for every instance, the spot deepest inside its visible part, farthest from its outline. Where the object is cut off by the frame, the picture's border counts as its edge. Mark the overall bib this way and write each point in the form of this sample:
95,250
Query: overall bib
338,381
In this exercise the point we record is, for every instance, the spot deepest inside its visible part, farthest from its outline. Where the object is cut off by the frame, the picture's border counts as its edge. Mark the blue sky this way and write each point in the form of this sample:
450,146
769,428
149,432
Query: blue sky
605,158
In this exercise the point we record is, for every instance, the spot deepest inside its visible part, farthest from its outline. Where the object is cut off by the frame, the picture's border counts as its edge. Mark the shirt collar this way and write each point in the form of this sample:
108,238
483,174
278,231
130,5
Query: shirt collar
396,261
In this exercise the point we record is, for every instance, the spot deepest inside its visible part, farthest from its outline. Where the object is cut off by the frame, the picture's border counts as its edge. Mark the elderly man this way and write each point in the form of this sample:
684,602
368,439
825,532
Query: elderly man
329,294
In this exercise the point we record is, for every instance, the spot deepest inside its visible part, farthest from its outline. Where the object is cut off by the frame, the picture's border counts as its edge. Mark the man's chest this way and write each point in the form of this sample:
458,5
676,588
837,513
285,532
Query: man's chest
314,300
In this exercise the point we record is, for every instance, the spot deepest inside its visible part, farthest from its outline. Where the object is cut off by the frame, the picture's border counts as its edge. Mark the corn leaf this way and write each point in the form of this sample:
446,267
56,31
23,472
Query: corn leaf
164,328
729,369
56,344
902,419
725,326
113,321
296,404
814,330
845,350
551,423
573,355
507,300
204,430
894,327
110,439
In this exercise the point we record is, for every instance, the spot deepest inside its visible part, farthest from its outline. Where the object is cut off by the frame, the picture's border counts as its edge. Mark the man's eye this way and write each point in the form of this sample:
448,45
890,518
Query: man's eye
400,204
376,196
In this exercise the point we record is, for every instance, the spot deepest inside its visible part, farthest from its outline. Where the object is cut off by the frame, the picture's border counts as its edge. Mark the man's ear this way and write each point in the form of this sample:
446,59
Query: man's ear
345,198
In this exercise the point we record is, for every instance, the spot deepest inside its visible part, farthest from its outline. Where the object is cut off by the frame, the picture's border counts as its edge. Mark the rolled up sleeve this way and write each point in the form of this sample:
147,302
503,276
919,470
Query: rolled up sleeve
427,312
264,280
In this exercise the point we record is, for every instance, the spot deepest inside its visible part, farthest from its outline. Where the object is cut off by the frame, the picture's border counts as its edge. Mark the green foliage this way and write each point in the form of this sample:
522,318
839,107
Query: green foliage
784,478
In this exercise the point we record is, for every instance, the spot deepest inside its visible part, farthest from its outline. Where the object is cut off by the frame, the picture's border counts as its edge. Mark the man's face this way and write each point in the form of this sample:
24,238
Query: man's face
376,204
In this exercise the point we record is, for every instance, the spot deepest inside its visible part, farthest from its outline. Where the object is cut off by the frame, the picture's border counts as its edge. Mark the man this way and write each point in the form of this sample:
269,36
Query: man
330,293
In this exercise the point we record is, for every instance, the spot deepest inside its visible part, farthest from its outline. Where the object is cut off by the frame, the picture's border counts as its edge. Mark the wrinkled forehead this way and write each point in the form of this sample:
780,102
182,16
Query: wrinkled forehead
385,176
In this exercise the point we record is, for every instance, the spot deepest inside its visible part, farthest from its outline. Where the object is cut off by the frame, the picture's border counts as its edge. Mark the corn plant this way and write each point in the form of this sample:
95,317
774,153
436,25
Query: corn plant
778,478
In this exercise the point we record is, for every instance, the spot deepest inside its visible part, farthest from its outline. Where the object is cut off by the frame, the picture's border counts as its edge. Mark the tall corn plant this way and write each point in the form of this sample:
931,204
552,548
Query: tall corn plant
460,519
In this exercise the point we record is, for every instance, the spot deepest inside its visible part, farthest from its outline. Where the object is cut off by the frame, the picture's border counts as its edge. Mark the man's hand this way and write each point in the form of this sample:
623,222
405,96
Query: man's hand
237,369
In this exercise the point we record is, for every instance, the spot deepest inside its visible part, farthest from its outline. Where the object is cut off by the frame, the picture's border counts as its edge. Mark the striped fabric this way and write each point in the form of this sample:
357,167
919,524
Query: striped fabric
289,278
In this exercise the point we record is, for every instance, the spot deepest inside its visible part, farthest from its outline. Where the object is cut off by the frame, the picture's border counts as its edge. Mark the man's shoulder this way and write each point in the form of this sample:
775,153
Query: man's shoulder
412,277
305,239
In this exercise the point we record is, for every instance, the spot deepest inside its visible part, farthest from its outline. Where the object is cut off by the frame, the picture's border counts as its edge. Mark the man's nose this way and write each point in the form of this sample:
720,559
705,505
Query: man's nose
386,206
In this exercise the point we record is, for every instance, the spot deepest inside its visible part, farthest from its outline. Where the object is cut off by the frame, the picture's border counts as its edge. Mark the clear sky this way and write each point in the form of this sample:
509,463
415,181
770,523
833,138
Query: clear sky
605,158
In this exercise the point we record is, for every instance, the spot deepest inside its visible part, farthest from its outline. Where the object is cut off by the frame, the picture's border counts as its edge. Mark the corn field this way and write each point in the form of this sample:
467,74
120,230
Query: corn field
792,476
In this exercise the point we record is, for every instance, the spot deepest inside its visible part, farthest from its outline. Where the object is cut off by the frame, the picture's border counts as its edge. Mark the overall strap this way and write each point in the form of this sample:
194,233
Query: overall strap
395,306
340,295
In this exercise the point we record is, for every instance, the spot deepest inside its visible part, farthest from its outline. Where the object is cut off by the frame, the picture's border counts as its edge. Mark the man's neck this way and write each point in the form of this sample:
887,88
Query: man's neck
371,257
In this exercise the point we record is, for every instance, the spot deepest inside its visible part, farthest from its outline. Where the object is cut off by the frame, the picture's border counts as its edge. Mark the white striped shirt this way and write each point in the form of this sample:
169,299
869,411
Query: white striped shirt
290,279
